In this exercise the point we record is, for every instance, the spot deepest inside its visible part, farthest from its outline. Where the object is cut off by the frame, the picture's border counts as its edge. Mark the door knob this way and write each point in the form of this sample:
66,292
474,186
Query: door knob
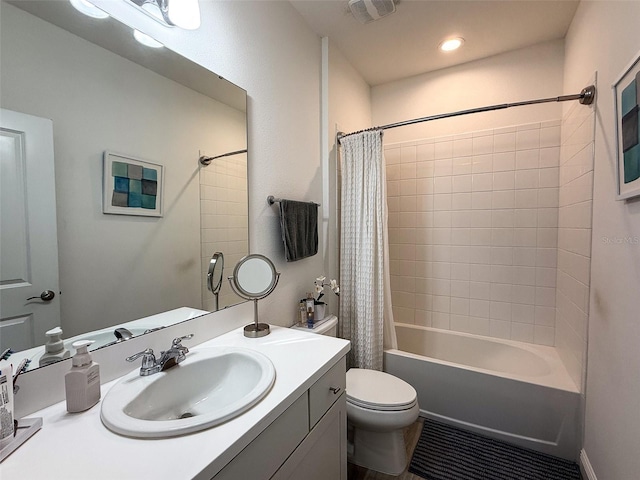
45,296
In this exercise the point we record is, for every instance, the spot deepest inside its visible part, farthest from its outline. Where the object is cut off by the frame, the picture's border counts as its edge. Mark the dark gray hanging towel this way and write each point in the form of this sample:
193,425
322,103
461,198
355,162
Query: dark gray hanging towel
299,222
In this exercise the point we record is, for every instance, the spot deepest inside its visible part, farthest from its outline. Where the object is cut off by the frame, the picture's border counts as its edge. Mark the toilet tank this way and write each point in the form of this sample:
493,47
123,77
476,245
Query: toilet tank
327,326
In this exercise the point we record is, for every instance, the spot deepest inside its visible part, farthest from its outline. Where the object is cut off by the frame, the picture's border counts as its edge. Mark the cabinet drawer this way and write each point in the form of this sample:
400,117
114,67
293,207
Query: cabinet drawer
326,391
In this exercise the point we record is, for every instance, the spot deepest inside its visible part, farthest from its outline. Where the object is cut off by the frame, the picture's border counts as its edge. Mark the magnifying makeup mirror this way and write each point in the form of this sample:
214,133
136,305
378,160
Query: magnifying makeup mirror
254,278
214,276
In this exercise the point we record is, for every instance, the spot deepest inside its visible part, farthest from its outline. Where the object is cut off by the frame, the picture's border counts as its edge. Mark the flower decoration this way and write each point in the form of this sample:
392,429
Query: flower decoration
319,287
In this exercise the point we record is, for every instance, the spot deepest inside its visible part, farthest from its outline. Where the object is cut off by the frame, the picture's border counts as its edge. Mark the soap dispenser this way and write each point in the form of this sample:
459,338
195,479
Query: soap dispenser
82,382
54,348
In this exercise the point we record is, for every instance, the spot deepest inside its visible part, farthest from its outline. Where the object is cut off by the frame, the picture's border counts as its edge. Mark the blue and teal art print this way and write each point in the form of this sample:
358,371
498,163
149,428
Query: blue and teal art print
134,186
630,131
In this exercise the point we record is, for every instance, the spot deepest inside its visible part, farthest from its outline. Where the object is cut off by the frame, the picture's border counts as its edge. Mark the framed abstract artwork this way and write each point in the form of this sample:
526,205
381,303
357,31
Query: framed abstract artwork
626,90
132,186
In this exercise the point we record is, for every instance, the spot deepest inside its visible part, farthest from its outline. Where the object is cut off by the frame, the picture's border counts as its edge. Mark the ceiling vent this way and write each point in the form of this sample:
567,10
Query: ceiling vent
366,11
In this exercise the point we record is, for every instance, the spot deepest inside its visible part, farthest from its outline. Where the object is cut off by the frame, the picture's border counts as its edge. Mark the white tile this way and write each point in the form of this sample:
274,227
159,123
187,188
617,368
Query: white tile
479,308
460,271
462,147
393,172
549,177
523,313
504,161
406,219
547,237
481,200
442,185
461,183
528,139
502,237
462,165
522,332
442,219
407,187
526,295
504,142
480,254
392,155
460,306
460,254
440,320
483,145
546,257
460,218
442,201
408,204
500,329
441,236
443,168
425,169
525,218
479,290
443,150
545,316
424,203
479,272
545,297
425,152
482,182
480,219
504,180
544,335
549,157
548,217
460,288
461,201
459,323
408,171
424,186
503,198
502,218
500,311
550,136
527,159
527,178
502,255
408,154
482,163
480,236
546,277
548,197
460,236
523,275
527,198
501,292
501,274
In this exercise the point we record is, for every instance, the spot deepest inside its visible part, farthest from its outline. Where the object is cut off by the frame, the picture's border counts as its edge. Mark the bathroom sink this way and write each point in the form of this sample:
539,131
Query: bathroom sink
211,386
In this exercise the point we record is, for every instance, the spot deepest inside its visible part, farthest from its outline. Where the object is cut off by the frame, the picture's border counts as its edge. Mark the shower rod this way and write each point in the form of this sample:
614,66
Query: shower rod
586,97
207,160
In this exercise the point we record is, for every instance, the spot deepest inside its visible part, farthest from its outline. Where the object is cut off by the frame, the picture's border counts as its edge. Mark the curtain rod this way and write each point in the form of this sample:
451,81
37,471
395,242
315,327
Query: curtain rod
207,160
586,97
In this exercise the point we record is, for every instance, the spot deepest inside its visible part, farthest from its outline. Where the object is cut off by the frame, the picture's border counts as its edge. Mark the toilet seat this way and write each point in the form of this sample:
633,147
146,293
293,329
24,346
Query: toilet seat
375,390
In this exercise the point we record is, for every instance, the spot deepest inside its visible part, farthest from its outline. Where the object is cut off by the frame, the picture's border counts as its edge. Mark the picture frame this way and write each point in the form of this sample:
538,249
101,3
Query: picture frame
626,91
132,186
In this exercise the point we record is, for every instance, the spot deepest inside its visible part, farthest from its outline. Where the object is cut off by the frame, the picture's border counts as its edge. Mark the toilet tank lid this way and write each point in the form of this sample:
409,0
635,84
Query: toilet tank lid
378,390
321,327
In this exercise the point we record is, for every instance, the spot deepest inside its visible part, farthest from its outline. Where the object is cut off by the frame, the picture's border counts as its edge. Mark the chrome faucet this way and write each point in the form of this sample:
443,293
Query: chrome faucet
168,358
175,354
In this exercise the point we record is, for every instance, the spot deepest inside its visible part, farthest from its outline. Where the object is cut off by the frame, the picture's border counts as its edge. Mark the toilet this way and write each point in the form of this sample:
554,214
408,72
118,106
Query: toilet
379,407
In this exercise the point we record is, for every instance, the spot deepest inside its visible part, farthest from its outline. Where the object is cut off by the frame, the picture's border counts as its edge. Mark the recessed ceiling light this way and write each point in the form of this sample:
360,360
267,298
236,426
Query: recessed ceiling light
88,9
451,44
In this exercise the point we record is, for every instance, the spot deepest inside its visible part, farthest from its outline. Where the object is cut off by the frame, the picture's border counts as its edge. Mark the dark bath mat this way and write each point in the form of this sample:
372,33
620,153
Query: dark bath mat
448,453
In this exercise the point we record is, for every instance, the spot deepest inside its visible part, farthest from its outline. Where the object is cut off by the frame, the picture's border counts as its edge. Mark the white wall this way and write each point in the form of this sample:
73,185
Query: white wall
115,268
266,48
604,37
526,74
349,109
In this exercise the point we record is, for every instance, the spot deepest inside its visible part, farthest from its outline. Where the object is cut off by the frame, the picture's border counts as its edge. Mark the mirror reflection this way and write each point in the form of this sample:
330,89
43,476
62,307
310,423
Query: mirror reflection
148,104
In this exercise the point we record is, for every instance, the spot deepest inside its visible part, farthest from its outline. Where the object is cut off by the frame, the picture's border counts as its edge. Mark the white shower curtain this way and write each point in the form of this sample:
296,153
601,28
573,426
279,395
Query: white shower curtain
365,293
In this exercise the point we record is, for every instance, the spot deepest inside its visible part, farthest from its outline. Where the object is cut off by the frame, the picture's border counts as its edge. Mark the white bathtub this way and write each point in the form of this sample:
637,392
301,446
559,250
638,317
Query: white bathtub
512,391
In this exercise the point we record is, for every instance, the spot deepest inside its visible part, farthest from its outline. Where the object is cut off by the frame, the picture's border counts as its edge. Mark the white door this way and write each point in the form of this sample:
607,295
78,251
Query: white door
28,234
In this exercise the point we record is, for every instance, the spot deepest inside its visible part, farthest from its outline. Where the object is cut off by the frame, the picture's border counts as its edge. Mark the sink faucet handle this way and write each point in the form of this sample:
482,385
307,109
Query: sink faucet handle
149,363
177,342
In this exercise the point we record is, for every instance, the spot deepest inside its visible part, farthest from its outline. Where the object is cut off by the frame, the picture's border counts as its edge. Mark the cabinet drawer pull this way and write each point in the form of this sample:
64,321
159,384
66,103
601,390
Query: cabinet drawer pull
335,390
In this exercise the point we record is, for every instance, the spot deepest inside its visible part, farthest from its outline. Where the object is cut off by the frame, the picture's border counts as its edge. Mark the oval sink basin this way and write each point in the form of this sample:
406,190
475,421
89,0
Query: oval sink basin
211,386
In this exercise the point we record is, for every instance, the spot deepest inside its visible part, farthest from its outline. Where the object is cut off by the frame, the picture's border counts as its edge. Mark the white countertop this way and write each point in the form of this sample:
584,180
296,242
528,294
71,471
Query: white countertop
71,446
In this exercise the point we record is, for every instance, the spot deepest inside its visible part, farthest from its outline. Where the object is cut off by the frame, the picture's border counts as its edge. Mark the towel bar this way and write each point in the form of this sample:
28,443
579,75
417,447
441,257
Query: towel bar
271,200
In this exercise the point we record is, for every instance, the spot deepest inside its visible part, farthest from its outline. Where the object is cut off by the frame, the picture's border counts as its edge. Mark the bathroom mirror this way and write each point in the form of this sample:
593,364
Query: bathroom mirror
214,276
254,278
101,90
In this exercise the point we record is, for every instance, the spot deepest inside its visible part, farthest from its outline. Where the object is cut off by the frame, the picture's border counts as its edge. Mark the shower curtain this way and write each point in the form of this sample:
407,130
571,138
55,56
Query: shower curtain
365,293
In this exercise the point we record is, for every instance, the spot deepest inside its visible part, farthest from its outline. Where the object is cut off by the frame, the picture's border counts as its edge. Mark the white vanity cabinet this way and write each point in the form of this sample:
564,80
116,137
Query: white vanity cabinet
306,442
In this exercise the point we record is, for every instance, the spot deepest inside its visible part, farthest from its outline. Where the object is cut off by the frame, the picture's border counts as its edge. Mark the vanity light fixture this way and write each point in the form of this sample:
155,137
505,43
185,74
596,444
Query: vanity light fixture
172,13
146,40
451,44
88,8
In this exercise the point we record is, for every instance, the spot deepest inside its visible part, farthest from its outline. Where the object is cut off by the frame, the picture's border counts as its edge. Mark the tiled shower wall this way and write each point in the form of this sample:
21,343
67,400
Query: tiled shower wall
224,222
473,231
574,239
